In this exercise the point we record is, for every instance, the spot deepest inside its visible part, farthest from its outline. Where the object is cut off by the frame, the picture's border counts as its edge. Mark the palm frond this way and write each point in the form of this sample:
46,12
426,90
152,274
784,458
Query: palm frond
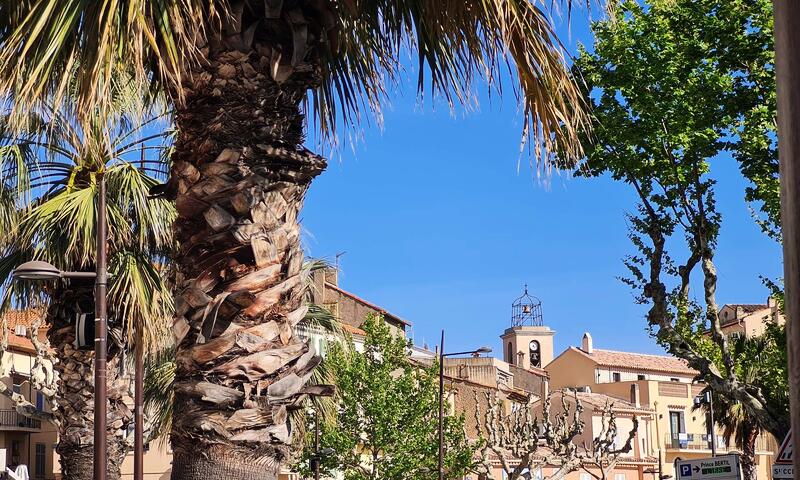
52,46
158,394
456,44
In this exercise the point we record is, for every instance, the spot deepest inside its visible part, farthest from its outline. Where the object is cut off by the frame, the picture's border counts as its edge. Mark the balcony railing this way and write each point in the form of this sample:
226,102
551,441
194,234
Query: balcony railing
702,441
10,419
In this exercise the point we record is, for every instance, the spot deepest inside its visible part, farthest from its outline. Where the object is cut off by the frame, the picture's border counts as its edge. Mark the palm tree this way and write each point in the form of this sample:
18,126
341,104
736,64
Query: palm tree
159,398
739,427
50,170
239,73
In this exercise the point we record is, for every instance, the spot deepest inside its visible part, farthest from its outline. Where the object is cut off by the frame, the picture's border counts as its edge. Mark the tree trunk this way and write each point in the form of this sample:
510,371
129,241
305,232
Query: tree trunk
748,458
239,175
75,411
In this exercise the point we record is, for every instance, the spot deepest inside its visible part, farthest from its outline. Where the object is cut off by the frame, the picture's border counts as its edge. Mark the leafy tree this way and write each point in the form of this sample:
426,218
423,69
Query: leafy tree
386,428
674,84
50,172
239,74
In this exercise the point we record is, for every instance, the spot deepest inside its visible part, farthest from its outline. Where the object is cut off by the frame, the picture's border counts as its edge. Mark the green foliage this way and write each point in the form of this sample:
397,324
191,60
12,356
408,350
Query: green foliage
675,85
688,77
387,422
50,172
760,362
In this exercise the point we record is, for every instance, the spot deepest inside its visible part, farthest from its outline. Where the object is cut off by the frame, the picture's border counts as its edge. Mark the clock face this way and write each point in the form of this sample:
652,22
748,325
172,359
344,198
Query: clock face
534,346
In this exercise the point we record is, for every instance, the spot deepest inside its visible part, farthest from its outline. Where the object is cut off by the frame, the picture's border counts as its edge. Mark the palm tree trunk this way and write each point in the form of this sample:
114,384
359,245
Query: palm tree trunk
239,174
75,411
748,458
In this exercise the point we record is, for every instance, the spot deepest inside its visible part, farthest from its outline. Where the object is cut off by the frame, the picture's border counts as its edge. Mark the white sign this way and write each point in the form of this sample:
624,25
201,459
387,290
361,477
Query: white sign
723,467
784,467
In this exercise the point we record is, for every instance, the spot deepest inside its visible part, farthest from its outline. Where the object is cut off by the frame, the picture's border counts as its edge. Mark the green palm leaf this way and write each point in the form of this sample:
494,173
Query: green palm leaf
362,45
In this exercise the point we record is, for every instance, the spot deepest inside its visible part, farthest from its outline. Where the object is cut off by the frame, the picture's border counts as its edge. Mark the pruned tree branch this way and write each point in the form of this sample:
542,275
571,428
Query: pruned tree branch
523,442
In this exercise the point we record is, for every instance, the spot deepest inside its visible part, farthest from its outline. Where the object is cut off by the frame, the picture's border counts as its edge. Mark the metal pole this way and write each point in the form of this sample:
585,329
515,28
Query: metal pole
100,333
441,408
787,80
138,389
711,428
316,445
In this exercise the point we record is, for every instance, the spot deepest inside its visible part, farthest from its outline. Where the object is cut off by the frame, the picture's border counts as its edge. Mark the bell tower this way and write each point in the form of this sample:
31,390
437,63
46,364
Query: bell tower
528,342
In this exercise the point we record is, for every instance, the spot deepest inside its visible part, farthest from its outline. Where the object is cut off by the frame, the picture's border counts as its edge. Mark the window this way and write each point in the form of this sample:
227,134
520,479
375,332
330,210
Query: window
677,426
641,377
619,476
617,376
40,401
586,476
39,464
510,354
674,379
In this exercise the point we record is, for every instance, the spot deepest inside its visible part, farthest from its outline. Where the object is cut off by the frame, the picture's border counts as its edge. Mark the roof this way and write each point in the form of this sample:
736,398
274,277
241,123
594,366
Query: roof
639,361
353,330
599,401
748,307
21,317
366,303
24,318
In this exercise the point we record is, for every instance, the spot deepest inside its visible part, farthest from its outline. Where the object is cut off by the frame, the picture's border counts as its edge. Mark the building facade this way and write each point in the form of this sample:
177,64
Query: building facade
23,440
661,383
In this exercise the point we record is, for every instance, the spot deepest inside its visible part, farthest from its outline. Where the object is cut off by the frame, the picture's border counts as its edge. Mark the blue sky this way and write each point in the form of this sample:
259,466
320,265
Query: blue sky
442,228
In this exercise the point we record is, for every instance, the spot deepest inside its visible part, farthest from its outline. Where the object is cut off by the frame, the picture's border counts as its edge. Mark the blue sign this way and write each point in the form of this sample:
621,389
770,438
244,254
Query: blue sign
686,470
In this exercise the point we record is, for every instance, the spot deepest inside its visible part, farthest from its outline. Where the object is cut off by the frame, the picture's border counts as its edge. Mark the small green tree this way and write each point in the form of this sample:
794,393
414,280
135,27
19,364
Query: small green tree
387,423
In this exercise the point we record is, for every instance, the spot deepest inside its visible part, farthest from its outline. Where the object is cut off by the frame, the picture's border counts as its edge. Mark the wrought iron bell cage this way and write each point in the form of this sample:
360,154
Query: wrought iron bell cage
526,310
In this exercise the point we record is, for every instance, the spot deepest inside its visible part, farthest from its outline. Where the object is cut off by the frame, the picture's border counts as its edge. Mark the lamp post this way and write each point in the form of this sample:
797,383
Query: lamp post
43,271
708,397
442,355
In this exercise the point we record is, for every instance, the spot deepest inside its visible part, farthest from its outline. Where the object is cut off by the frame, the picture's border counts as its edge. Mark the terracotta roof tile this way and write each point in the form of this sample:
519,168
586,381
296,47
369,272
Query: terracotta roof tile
24,318
21,317
639,361
353,330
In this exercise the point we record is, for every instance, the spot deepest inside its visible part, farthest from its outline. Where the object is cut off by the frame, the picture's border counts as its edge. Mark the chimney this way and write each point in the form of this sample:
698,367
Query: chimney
586,345
635,395
772,302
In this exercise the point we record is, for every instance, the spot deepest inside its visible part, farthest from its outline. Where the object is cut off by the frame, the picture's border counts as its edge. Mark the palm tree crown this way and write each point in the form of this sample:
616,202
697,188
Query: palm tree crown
359,45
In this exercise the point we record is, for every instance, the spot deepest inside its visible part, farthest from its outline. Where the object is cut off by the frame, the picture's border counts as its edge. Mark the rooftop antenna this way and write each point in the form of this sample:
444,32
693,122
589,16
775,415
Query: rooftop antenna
338,255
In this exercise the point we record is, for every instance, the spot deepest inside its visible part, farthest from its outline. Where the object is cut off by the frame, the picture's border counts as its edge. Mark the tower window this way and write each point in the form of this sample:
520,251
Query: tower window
510,354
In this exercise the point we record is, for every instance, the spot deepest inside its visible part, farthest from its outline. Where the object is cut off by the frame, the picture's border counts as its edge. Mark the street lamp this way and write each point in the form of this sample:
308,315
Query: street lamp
441,395
43,271
698,400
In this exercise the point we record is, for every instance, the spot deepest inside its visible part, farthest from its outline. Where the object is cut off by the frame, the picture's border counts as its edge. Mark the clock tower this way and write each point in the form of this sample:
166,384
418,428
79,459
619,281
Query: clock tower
528,343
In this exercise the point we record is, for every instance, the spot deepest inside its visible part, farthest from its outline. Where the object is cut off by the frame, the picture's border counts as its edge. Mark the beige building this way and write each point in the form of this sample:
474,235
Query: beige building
661,383
528,345
749,320
23,440
630,466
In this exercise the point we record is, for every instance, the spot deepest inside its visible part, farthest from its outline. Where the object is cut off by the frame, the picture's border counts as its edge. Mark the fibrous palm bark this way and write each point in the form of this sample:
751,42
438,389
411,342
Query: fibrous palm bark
750,432
240,174
75,411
